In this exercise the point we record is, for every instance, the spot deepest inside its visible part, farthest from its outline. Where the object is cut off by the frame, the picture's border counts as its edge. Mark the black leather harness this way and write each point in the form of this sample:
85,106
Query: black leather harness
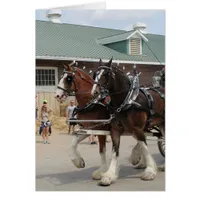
149,99
86,107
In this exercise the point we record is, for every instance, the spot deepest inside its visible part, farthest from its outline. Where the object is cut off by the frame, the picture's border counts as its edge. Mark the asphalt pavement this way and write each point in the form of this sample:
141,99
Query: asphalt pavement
56,172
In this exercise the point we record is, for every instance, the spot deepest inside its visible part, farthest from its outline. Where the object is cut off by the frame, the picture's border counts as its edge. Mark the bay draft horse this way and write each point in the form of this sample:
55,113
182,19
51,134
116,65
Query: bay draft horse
74,79
133,121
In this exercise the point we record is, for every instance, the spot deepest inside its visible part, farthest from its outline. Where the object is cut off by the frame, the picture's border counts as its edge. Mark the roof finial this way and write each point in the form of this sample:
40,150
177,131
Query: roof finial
54,15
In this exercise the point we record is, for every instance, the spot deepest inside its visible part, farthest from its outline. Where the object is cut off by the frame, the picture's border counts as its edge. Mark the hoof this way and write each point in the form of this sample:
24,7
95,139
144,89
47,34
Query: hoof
105,181
79,162
97,175
149,174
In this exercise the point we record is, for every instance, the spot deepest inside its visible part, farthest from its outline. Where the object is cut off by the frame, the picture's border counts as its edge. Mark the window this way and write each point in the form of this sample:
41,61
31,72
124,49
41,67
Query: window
135,45
45,77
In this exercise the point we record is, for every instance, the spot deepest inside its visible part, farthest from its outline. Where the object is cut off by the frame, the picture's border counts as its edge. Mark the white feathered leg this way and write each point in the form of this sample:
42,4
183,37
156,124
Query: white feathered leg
74,153
98,173
137,158
151,169
112,173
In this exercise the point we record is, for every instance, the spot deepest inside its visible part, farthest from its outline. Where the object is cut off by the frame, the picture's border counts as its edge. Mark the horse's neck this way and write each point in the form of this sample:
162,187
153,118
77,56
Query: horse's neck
83,95
83,99
120,89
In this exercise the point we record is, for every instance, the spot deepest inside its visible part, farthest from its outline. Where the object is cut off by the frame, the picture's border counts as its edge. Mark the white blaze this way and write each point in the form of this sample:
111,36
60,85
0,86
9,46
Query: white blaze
60,92
96,81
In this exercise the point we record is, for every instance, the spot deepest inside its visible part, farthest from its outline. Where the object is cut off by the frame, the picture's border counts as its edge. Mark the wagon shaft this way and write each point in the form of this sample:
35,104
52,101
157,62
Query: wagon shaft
91,132
100,120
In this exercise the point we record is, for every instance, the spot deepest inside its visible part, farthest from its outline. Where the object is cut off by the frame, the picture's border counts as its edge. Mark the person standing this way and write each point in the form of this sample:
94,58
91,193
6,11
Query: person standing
36,112
92,139
45,110
69,112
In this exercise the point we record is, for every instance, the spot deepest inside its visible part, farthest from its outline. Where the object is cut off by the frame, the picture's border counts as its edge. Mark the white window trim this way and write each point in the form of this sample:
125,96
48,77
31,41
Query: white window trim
140,46
139,34
48,88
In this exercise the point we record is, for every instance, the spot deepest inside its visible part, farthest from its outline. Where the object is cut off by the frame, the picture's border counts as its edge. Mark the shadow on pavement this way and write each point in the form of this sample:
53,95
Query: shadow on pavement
85,175
68,177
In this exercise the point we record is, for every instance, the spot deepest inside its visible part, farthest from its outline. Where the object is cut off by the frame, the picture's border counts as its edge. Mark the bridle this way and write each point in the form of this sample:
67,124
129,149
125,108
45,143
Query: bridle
104,87
68,90
107,74
73,80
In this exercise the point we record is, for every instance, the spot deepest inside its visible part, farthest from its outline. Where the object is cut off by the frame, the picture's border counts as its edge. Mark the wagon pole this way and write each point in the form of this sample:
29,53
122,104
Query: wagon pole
101,120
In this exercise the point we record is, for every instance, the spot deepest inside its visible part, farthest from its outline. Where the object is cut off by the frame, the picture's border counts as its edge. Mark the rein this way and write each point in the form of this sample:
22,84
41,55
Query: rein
73,81
93,100
67,91
83,78
129,91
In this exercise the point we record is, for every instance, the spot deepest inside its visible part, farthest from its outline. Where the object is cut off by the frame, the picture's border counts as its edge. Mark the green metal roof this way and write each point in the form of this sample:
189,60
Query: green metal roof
157,44
120,37
67,41
115,38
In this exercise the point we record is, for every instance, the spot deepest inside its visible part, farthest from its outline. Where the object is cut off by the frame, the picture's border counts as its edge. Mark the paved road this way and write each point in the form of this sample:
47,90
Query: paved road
55,171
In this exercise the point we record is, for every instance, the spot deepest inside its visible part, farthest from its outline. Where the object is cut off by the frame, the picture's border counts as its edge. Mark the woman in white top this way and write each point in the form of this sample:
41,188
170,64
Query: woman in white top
45,110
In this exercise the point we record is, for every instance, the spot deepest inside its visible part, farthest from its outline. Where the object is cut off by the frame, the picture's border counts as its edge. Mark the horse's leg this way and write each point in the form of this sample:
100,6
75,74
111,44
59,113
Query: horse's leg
102,150
74,153
112,173
151,169
162,129
136,158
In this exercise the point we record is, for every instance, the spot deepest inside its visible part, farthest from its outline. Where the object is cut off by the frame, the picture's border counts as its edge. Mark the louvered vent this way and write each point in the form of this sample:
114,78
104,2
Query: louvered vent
135,46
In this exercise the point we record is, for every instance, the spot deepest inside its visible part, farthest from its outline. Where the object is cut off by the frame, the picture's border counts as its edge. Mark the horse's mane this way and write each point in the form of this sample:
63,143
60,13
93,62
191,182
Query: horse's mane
121,72
88,77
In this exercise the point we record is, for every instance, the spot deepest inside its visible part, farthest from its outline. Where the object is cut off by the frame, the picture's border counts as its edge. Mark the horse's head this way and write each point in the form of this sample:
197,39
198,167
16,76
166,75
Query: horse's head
66,83
102,77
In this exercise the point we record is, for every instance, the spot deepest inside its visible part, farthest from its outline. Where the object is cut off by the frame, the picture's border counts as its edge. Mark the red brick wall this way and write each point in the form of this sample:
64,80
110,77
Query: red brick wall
147,71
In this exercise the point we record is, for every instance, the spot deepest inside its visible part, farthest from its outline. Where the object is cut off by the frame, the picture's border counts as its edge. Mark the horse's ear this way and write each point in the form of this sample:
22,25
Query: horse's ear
66,66
100,62
109,64
73,62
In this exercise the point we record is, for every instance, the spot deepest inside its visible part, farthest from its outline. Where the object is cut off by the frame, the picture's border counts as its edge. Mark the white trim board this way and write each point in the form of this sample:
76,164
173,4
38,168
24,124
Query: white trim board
138,33
96,60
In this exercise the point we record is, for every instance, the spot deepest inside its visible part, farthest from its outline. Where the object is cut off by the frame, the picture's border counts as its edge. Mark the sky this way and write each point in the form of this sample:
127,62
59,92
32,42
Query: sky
114,19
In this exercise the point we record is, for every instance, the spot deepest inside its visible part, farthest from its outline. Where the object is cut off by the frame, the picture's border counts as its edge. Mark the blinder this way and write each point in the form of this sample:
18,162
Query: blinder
106,75
69,79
